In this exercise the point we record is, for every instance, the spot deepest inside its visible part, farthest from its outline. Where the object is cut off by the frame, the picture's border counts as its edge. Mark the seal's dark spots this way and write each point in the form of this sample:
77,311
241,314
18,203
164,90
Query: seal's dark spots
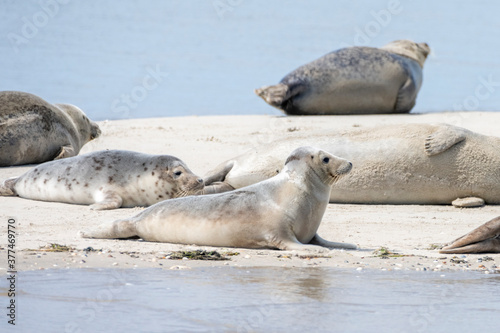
312,157
152,173
110,179
326,160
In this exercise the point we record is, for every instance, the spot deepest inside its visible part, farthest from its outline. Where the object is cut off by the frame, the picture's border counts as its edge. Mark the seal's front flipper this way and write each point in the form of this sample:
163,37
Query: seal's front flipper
219,173
332,245
444,138
485,238
407,95
65,151
469,202
7,187
118,229
217,187
110,200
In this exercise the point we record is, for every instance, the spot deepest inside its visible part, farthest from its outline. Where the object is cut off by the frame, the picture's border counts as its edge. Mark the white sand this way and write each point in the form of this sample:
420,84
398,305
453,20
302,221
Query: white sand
203,143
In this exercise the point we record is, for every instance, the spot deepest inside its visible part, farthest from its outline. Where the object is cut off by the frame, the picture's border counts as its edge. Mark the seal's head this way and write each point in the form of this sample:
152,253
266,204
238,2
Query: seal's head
186,182
318,164
87,129
410,49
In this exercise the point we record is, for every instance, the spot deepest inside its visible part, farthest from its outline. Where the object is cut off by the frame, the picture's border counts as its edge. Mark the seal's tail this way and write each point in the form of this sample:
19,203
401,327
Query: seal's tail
7,187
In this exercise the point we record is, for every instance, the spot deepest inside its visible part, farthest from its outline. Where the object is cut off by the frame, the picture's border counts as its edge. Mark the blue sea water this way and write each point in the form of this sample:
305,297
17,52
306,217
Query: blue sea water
229,299
135,59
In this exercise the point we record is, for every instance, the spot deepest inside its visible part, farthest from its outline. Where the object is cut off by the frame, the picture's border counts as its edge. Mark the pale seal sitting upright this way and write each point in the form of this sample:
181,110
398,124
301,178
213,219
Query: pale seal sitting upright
353,80
395,164
106,180
483,239
35,131
283,212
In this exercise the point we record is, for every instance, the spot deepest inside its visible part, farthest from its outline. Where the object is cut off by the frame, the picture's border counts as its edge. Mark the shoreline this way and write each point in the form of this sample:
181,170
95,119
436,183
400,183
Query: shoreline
204,142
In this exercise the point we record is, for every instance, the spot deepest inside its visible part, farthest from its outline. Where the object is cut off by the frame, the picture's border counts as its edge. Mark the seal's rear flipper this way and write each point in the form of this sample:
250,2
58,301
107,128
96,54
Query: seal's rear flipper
443,139
332,245
279,94
219,173
64,152
486,246
274,95
7,187
118,229
485,238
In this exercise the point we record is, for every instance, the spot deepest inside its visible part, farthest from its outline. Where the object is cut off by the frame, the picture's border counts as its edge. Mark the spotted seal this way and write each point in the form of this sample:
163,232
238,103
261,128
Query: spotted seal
107,179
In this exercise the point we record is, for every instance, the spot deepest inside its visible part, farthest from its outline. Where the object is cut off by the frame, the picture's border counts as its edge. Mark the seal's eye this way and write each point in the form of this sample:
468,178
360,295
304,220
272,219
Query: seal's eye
326,160
177,173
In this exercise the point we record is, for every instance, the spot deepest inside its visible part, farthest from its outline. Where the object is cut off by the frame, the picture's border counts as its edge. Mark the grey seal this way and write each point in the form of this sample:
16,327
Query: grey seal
35,131
283,212
393,164
353,80
107,179
483,239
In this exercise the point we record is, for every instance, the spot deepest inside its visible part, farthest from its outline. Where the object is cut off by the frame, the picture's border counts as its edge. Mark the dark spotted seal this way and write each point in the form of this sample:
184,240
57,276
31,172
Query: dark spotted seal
354,80
35,131
106,180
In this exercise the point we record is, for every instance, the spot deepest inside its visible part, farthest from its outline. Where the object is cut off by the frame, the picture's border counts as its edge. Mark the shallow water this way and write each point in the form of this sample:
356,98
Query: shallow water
135,59
254,300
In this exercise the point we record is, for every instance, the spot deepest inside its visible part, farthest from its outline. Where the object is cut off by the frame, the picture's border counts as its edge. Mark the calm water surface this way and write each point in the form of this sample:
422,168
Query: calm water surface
255,300
134,59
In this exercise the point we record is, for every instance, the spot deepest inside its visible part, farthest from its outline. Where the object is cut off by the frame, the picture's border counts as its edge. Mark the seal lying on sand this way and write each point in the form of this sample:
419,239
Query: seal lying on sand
483,239
107,179
283,212
353,80
35,131
396,164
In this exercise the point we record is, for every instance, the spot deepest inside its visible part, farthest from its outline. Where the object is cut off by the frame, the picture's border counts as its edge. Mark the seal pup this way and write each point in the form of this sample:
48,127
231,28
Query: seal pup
483,239
283,212
35,131
353,80
393,164
107,179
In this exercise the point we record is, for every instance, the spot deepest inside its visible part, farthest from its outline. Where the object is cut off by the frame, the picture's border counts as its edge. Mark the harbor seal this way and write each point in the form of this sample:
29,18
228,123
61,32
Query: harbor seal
393,164
106,179
35,131
353,80
483,239
283,212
